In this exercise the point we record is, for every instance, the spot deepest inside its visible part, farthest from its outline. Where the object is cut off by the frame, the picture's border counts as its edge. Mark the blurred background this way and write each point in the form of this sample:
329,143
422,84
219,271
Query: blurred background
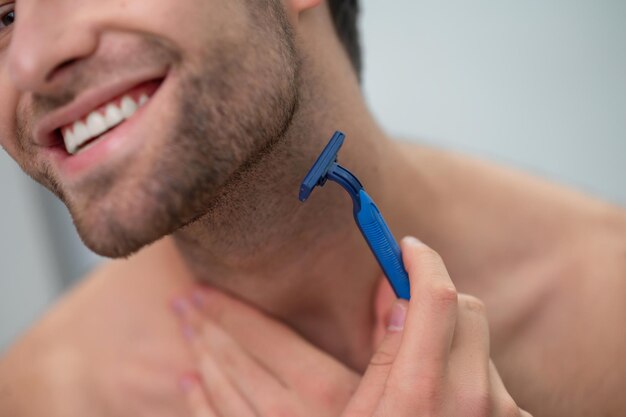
540,85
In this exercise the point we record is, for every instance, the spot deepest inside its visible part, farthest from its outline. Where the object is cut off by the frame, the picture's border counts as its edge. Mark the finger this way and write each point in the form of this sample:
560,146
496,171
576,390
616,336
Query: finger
196,398
187,310
224,397
502,403
269,341
430,322
471,333
469,365
372,384
261,389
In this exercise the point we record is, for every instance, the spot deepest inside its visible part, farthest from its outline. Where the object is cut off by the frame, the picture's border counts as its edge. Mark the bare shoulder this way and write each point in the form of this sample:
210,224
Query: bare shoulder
106,348
38,373
471,197
574,339
550,264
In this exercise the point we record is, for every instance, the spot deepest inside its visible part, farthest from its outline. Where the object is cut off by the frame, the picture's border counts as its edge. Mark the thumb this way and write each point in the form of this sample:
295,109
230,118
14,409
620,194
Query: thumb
372,386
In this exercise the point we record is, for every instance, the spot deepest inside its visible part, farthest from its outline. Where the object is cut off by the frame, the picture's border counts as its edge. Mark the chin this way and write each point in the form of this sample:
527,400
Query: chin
114,240
119,233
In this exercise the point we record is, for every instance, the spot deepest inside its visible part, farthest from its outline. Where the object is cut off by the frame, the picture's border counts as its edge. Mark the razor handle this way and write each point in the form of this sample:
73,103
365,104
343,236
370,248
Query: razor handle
383,245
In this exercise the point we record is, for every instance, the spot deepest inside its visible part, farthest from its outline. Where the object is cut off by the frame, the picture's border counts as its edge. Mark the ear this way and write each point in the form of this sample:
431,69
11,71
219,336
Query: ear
301,5
296,7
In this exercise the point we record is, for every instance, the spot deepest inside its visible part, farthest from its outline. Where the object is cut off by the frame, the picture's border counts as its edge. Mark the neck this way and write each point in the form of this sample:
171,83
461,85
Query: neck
306,264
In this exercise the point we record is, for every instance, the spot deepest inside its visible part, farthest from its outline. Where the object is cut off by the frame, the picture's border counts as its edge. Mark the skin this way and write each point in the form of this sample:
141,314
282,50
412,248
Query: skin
546,261
211,114
454,375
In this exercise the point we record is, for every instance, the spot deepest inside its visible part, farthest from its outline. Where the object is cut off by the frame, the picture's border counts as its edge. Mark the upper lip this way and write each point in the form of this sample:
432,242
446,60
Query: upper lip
85,103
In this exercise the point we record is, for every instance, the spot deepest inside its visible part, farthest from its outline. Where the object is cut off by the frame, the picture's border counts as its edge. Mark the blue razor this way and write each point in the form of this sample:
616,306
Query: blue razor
366,214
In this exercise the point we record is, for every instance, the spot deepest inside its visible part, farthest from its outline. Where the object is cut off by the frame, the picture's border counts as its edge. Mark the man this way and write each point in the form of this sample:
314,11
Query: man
197,120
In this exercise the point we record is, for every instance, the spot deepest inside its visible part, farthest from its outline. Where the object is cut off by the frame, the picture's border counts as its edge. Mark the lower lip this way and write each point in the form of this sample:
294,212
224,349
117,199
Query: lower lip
123,137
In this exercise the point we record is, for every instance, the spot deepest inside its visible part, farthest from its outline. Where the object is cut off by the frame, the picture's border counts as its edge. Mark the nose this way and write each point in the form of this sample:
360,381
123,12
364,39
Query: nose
48,37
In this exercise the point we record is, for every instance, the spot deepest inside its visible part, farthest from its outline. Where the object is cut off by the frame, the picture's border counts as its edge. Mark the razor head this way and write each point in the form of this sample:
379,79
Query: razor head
319,171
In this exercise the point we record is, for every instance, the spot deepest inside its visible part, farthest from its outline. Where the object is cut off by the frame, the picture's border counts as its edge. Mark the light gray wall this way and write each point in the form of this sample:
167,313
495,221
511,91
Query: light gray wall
538,84
28,271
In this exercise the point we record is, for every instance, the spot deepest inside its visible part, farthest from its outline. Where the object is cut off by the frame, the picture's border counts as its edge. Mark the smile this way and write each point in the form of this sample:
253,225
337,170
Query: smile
96,113
86,130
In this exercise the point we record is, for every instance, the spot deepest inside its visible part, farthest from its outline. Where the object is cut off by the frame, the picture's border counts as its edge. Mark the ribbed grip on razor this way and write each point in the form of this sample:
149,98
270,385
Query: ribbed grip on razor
383,245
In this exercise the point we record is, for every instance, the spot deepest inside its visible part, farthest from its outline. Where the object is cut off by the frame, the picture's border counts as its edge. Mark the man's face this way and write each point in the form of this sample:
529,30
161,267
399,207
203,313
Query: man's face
137,113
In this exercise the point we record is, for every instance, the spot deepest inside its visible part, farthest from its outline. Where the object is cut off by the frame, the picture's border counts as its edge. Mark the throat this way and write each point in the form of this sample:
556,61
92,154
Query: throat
318,280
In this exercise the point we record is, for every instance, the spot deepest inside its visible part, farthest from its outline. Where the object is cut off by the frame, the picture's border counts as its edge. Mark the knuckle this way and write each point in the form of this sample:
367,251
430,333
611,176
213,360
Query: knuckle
445,295
382,357
510,408
473,304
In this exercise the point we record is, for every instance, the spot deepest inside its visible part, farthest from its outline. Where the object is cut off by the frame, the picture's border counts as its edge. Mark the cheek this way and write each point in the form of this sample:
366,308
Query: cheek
191,26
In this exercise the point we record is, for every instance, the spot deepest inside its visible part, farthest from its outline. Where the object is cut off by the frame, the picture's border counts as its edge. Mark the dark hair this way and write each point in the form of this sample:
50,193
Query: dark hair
345,15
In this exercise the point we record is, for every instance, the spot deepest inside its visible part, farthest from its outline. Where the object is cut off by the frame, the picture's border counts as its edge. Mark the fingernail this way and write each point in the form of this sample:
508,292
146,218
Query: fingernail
413,241
397,317
181,306
186,383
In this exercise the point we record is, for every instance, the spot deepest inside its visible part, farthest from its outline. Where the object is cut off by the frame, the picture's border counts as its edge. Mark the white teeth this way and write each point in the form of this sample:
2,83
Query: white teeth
70,141
129,107
96,124
113,115
81,133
